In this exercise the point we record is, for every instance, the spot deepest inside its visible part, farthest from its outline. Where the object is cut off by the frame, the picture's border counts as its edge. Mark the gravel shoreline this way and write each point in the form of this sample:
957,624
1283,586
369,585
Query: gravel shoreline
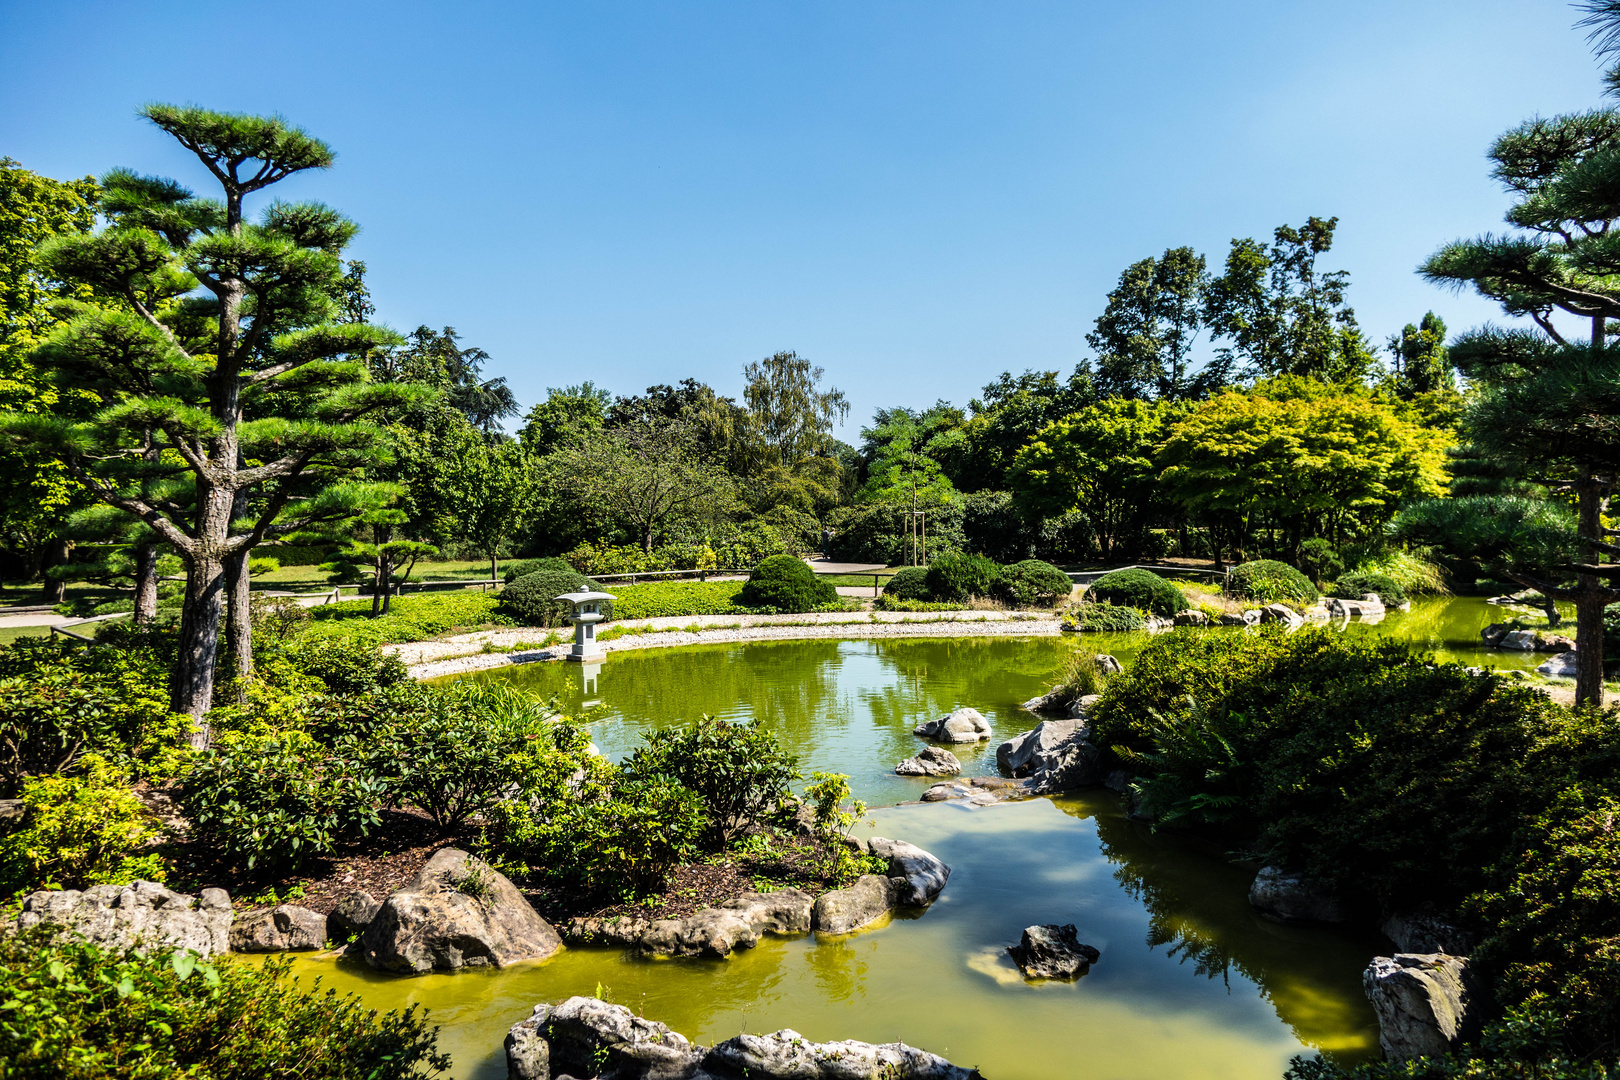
522,645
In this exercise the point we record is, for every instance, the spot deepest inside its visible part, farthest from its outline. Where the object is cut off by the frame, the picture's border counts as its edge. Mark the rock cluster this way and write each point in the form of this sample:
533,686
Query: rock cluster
1281,613
1503,636
140,915
914,878
1051,951
977,791
961,726
1290,896
1056,755
738,923
933,761
586,1037
1425,1003
456,912
284,928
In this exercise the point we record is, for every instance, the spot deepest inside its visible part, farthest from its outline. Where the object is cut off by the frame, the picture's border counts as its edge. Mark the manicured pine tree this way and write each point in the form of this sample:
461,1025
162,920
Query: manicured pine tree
222,370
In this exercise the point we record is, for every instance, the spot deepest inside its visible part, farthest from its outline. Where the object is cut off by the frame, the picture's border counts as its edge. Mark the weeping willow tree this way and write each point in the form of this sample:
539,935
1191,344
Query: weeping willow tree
233,403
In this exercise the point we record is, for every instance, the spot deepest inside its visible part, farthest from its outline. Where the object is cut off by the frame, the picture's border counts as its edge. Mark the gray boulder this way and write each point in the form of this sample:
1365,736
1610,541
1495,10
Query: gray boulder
844,910
352,914
933,761
456,912
1289,896
738,923
1108,665
284,928
142,915
1054,702
1425,932
1559,665
1236,618
1019,753
12,812
1081,706
1554,643
1052,952
1493,634
1280,613
1191,617
623,930
1055,755
1518,641
1426,1003
919,876
961,726
787,1055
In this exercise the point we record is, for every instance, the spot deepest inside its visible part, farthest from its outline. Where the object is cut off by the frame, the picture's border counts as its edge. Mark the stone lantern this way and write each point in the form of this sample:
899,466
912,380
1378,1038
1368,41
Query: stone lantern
587,613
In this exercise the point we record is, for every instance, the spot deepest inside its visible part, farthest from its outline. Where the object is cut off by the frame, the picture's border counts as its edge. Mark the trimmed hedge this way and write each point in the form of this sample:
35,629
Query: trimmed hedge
1033,583
1269,581
1136,588
956,576
534,566
908,584
531,600
788,585
1355,585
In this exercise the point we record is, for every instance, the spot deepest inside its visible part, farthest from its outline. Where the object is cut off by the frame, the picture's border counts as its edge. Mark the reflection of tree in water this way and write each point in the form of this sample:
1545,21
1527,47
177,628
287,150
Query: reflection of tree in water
933,676
840,968
1198,912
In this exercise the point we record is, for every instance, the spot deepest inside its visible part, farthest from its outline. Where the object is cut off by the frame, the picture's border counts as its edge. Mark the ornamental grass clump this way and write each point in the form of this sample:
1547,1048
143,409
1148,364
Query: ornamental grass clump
1269,582
787,584
1140,589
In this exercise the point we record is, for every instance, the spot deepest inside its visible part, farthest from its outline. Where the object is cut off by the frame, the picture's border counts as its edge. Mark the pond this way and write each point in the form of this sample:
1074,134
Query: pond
1192,983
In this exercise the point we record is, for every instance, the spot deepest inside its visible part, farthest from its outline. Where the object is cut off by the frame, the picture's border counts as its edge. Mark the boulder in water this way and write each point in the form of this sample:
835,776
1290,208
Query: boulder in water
1426,1003
1051,951
933,761
961,726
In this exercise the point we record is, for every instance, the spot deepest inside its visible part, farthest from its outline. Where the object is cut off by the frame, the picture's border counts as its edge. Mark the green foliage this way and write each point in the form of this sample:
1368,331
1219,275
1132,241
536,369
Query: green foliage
876,532
1355,585
410,618
531,600
1140,589
346,667
828,794
1318,559
516,570
910,583
274,800
889,603
75,1010
1033,583
1082,676
739,771
956,576
79,831
788,585
1088,615
665,599
1270,582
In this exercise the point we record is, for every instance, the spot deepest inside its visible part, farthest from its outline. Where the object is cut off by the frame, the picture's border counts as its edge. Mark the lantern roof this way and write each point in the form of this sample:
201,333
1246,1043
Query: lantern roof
584,597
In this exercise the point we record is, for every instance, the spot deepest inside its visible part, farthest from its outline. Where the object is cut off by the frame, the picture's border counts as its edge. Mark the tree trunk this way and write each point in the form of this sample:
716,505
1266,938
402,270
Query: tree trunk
1591,597
494,567
239,630
56,554
1550,606
192,691
146,583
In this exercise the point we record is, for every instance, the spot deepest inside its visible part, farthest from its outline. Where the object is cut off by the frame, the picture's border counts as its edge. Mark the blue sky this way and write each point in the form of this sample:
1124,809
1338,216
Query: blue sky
917,196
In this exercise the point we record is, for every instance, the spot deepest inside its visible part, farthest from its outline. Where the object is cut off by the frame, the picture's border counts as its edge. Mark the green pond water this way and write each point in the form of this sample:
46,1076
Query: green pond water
1191,982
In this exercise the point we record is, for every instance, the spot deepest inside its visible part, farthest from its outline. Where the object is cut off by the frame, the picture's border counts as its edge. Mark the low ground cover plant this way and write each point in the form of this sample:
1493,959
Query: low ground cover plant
1140,589
674,599
1102,618
417,617
1269,581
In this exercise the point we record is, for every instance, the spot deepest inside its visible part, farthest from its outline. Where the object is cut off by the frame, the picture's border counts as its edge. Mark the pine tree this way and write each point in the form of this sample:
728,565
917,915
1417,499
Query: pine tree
232,408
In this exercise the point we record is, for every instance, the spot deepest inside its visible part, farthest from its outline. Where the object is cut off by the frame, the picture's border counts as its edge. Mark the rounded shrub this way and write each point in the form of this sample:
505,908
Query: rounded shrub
534,566
787,584
1033,583
531,600
1141,589
1270,581
1355,585
956,576
909,584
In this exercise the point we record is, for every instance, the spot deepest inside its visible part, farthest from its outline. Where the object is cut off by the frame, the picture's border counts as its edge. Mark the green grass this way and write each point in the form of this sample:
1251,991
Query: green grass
858,579
310,578
410,618
674,599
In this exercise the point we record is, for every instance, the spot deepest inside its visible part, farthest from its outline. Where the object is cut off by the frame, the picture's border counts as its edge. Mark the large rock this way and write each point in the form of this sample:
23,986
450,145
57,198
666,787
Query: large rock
142,915
933,761
1081,707
978,791
863,903
1559,665
1281,613
351,915
1290,896
1055,701
1052,952
456,912
1191,617
284,928
919,876
1108,665
1425,1003
961,726
738,923
1493,634
586,1037
1425,932
1518,641
1056,756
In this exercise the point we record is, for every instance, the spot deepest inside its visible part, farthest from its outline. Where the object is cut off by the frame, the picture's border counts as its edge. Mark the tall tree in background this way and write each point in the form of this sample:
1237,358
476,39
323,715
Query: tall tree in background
1419,358
792,416
489,488
1279,315
436,358
1145,335
237,370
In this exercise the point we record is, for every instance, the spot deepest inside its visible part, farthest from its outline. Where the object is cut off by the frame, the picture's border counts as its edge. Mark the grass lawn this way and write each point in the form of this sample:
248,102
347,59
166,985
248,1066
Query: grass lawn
861,579
311,579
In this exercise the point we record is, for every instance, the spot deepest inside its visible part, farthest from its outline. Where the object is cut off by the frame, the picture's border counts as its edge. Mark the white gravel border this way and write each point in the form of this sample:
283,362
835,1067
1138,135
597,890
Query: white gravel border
465,652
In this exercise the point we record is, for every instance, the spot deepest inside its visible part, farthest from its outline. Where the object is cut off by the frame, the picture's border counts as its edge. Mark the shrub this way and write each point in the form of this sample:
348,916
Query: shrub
1033,583
1082,676
739,771
1270,581
1318,559
277,800
994,527
531,600
347,667
1356,585
516,570
956,576
1140,589
1103,618
80,831
910,583
788,585
94,1014
668,599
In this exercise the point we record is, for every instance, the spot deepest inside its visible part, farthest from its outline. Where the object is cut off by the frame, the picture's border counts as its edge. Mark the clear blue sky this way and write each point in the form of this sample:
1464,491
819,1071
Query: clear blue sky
917,196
